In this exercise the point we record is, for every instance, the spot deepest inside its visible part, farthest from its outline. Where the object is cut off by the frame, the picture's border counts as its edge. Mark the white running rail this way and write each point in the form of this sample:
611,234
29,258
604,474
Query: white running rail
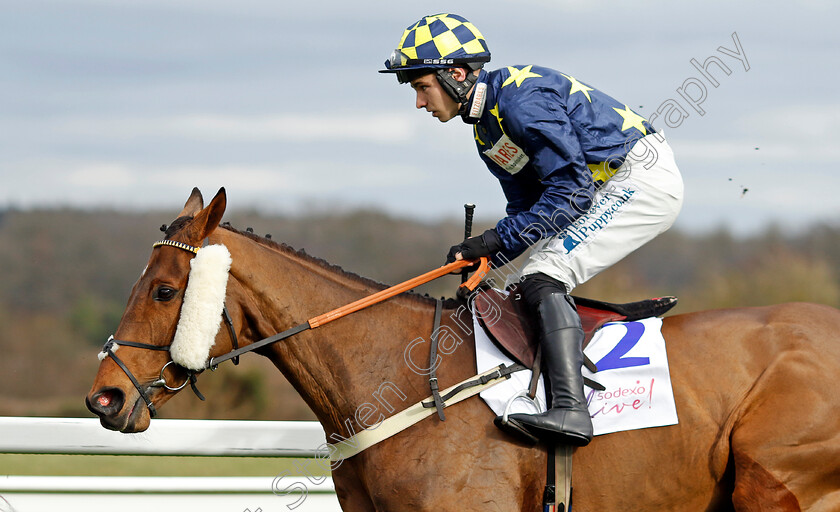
85,436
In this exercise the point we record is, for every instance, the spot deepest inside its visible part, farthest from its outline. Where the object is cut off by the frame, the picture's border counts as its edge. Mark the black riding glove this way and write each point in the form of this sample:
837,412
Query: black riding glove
483,245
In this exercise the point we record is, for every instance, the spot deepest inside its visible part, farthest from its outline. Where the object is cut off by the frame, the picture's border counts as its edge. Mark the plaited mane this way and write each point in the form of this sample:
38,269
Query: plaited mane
287,249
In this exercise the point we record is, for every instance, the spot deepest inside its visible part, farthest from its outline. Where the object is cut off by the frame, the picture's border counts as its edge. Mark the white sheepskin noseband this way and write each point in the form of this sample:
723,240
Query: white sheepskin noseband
201,313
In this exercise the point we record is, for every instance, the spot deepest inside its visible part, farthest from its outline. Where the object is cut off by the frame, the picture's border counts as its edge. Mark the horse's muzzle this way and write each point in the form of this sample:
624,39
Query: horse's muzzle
109,405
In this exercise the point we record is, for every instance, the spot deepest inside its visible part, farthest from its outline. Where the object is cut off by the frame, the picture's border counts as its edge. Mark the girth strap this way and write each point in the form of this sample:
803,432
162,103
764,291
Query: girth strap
557,496
563,477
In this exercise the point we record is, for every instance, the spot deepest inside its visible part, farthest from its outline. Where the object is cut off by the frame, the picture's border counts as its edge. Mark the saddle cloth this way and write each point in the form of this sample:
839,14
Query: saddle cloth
629,350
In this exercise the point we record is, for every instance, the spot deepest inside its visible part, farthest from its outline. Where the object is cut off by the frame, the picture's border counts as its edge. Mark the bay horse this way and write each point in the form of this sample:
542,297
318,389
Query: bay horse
759,419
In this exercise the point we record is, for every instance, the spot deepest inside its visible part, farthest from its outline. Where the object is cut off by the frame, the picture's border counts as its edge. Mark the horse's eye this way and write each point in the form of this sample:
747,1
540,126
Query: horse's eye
165,293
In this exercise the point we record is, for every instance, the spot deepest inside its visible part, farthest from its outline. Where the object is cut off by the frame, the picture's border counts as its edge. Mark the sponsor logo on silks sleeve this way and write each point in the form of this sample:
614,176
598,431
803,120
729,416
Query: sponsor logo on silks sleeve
508,155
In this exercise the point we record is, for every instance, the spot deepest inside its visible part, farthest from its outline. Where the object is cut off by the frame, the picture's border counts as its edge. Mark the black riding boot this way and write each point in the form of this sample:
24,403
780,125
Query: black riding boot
561,337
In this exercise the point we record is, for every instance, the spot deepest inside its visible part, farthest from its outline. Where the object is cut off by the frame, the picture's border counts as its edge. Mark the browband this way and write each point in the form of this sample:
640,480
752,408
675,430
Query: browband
179,245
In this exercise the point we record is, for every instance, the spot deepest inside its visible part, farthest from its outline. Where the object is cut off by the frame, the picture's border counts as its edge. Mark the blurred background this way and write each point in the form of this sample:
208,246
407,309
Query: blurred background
110,112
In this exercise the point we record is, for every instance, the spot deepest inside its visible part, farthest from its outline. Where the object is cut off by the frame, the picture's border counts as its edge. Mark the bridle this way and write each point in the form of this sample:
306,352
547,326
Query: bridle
110,347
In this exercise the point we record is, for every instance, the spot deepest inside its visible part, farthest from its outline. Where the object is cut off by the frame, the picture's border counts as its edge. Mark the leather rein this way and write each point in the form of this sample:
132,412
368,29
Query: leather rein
110,347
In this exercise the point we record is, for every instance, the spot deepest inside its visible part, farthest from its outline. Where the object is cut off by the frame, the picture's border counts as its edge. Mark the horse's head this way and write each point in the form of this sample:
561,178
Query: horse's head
137,372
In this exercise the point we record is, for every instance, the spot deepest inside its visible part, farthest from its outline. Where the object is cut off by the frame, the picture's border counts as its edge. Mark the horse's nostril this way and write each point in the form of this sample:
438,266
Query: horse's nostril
104,399
107,402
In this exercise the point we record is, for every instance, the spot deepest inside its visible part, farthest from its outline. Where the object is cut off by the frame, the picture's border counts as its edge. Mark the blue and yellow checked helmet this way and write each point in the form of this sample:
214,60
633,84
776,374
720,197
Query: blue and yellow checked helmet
439,41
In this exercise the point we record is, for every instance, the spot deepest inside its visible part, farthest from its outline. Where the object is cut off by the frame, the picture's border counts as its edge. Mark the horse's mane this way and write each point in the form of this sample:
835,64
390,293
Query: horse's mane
302,254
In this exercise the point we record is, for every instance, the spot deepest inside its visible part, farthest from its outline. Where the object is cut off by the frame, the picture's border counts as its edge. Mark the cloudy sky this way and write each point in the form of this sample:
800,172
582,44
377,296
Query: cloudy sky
131,103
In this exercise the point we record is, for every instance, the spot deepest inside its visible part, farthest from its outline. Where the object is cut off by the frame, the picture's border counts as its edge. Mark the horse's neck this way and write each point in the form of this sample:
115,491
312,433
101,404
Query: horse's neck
339,367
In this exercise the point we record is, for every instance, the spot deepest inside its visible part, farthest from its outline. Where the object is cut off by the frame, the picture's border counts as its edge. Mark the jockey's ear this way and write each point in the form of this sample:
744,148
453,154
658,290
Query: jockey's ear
459,74
193,205
208,219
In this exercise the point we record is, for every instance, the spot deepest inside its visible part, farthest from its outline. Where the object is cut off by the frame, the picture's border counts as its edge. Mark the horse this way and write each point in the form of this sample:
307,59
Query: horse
758,426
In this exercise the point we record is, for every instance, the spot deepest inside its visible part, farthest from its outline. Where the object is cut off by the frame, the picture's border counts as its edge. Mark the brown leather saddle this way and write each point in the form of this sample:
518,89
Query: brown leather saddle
508,325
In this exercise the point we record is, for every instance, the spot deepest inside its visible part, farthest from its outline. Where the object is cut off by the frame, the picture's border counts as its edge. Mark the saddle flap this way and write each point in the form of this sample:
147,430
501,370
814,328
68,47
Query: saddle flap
506,324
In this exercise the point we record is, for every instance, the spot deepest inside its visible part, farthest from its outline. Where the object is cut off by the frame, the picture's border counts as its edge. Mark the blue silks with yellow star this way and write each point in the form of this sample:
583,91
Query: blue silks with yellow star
551,140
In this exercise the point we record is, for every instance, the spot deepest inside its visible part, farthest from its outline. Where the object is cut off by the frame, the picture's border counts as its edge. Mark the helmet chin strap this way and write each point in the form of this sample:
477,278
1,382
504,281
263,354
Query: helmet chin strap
458,91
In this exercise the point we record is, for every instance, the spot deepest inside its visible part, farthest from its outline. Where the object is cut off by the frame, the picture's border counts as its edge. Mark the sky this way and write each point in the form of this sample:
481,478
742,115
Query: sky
129,104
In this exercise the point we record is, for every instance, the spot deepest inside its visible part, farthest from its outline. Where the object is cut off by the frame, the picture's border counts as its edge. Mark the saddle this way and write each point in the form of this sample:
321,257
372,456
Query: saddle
508,325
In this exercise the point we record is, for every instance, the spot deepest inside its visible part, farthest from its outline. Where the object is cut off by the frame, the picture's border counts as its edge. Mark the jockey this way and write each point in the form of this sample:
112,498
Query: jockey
587,181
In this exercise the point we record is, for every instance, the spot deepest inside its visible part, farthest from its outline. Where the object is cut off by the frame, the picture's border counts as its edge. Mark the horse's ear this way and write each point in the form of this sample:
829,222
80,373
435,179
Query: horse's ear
208,219
193,205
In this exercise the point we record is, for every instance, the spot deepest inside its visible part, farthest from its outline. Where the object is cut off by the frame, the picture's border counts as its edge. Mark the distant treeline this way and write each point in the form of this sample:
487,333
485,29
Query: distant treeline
66,275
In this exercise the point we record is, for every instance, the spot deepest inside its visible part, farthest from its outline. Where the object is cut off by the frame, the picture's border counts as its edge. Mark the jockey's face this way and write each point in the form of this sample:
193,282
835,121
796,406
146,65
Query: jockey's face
432,97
